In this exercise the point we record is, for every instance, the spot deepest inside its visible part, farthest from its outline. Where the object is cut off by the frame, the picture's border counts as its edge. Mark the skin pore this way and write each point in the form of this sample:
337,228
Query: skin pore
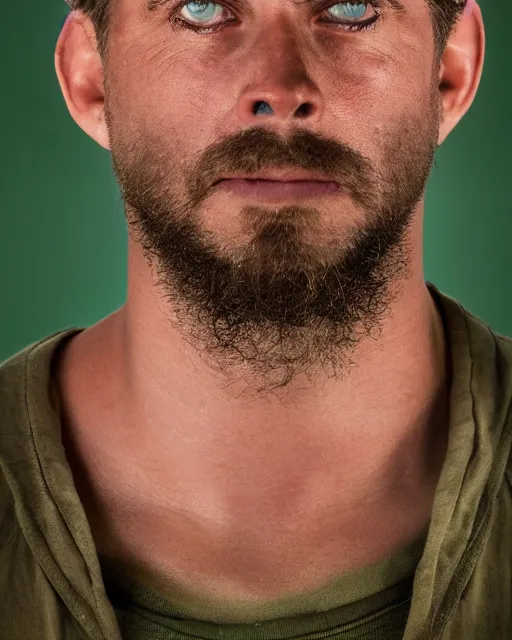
276,383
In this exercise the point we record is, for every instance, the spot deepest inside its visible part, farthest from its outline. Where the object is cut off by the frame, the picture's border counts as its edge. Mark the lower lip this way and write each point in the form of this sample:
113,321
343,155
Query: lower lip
277,190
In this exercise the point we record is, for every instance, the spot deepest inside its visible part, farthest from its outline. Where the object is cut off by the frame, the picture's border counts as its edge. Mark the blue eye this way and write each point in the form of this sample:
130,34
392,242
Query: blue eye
202,13
353,10
199,9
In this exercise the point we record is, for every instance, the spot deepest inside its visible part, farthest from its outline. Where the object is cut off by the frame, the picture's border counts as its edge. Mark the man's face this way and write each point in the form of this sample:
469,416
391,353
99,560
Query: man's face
273,287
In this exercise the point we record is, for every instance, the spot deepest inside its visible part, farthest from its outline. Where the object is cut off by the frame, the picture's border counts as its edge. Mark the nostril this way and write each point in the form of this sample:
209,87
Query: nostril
262,108
304,109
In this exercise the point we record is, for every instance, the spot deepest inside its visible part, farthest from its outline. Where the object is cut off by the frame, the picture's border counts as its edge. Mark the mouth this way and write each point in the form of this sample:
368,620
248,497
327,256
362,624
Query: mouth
280,176
275,190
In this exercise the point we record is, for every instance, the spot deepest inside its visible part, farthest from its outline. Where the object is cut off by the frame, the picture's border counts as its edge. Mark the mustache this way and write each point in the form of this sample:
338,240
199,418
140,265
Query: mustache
260,149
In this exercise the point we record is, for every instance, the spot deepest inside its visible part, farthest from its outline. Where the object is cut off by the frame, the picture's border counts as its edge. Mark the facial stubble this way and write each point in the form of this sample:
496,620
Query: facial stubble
280,305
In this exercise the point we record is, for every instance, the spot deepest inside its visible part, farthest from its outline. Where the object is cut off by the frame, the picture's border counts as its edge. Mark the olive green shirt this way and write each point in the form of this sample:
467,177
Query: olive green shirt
453,583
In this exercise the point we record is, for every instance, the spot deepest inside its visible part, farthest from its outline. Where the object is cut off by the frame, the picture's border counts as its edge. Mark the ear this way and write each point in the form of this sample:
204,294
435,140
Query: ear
80,72
461,68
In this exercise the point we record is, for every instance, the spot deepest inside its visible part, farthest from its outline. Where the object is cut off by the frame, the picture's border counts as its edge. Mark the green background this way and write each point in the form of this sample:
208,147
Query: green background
63,240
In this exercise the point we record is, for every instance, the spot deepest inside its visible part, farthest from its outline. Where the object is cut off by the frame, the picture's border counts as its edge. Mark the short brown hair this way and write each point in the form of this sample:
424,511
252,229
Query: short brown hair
445,16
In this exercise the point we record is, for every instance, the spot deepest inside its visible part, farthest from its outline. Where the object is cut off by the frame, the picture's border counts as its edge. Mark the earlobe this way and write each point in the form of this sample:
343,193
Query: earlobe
461,69
79,70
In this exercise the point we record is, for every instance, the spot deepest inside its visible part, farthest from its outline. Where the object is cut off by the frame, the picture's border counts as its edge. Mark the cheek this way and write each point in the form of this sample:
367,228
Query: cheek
184,98
380,91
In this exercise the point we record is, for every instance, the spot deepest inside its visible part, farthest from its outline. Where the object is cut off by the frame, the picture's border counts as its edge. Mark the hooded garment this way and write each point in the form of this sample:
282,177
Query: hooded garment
452,583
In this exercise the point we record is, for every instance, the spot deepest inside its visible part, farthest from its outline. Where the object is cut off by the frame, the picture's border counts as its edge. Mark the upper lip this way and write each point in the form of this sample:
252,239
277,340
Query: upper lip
280,175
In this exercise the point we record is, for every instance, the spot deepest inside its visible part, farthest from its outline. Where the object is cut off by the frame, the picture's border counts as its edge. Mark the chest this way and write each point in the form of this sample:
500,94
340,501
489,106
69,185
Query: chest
253,564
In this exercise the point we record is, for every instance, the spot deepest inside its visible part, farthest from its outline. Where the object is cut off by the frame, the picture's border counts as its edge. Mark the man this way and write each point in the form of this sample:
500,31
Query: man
284,432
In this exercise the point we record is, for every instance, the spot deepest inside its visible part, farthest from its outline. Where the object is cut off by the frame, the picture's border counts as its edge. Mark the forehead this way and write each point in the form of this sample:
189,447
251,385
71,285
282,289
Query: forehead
151,5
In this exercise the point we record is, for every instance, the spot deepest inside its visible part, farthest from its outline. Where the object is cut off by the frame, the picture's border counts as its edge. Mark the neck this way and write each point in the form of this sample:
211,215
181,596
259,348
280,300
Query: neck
376,434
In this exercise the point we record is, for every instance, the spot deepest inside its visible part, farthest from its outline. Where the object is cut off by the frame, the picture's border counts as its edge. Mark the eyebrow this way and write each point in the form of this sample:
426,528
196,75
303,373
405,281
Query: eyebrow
396,5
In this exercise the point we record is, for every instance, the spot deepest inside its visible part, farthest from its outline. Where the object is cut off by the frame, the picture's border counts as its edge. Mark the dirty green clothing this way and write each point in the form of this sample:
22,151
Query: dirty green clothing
453,583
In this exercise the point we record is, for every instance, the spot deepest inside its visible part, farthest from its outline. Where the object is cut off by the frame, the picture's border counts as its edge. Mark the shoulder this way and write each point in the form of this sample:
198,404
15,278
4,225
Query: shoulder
24,391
